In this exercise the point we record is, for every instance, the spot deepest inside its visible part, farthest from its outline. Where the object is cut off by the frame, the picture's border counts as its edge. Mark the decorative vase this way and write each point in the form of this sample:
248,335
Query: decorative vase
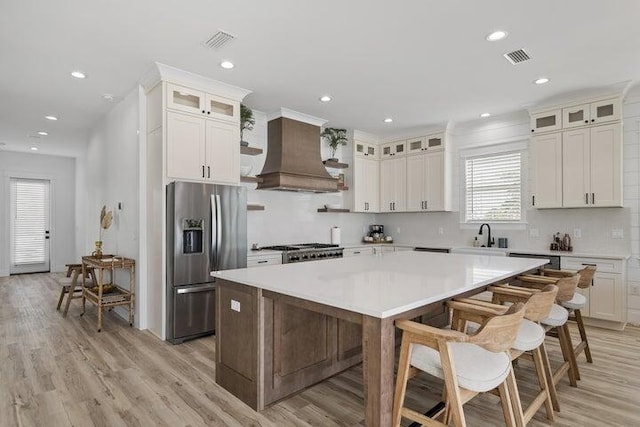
98,252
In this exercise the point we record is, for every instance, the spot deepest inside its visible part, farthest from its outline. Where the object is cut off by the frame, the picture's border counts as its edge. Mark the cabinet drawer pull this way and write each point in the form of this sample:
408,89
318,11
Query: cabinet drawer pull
356,252
592,265
263,262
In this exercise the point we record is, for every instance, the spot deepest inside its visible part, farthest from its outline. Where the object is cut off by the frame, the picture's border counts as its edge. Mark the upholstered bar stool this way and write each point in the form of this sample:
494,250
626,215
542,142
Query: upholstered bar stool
468,364
530,339
556,322
576,304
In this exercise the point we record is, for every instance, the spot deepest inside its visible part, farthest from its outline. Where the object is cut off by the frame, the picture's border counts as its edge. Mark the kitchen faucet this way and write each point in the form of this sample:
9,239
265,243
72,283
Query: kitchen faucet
489,239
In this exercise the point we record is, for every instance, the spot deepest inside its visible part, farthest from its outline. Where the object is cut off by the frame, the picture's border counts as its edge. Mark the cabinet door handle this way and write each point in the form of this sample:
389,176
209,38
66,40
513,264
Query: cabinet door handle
202,111
593,120
586,198
421,205
533,200
426,204
593,198
208,171
208,112
356,252
586,121
203,171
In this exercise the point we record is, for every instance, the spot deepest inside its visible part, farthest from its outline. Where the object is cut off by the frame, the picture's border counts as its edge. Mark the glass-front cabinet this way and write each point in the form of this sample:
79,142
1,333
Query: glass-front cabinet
366,150
605,111
185,99
391,149
222,108
577,115
546,121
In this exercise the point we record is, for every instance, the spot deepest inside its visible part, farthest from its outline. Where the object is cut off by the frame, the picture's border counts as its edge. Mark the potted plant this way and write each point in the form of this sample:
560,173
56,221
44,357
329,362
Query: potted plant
246,122
334,137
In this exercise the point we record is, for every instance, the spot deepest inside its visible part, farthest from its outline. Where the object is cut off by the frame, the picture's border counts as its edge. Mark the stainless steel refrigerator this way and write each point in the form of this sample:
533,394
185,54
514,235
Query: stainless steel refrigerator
206,231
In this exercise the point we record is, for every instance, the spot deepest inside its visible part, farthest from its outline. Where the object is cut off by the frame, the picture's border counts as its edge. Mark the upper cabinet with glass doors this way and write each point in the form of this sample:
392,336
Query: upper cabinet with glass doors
585,114
201,103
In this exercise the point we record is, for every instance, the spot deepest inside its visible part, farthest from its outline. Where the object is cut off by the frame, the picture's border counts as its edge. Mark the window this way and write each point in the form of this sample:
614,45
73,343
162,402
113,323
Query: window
493,188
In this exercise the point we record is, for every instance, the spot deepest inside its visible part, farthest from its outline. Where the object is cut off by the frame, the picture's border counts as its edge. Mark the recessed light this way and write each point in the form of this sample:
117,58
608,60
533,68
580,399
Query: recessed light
78,74
34,148
52,118
107,97
43,133
496,35
485,115
541,81
227,65
325,98
388,120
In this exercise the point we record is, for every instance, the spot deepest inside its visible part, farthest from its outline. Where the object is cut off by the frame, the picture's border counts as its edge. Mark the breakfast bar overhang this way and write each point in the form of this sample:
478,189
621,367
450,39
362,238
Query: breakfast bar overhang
282,328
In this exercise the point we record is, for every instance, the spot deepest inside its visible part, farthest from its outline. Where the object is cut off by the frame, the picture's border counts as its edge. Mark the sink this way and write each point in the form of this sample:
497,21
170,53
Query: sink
471,250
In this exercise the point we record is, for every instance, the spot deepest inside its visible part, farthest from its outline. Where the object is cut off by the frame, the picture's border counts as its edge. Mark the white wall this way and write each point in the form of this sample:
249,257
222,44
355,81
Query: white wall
291,217
61,172
109,174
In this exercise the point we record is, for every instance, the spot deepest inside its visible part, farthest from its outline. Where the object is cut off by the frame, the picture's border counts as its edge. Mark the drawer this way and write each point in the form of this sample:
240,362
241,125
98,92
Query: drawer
260,261
602,265
364,250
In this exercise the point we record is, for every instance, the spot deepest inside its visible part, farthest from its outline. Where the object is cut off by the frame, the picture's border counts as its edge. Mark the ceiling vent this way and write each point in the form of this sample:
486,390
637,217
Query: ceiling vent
219,40
517,56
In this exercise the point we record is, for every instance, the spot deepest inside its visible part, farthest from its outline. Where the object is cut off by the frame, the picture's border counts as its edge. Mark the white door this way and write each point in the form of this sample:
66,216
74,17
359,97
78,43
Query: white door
29,240
575,169
605,164
546,166
185,147
222,152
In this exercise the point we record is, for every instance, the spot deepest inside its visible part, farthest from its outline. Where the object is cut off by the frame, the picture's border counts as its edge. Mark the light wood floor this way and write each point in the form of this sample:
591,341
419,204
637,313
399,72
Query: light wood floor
60,372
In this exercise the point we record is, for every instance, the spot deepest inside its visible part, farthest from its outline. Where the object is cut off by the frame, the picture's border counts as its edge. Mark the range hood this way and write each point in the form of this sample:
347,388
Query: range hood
293,160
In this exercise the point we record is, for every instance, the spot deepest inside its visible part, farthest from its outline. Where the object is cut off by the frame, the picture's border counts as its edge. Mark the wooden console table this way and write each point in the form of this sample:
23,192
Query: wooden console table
108,294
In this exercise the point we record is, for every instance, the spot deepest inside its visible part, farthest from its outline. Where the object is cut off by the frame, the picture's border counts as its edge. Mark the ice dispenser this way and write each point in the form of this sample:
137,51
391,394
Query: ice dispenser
192,231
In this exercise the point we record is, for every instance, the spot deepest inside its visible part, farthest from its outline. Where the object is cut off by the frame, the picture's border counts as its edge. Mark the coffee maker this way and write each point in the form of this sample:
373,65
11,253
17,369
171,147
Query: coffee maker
376,232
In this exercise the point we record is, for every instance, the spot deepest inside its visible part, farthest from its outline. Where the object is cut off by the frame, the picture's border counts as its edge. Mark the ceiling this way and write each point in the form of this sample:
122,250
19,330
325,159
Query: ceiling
420,62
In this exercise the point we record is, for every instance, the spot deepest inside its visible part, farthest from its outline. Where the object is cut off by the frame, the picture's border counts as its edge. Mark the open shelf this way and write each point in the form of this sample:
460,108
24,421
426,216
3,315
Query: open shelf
335,165
250,179
250,151
255,207
333,210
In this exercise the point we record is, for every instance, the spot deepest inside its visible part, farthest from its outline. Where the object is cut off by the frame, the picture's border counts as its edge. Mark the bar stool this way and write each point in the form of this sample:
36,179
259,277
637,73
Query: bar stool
556,323
71,286
576,303
468,364
530,339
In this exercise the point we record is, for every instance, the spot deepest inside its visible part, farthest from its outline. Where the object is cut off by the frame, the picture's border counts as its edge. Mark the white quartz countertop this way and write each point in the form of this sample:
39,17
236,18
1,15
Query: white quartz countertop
382,285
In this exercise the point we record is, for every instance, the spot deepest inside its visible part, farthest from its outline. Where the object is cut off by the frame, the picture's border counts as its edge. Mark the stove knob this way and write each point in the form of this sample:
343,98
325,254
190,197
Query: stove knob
322,255
294,258
305,257
312,256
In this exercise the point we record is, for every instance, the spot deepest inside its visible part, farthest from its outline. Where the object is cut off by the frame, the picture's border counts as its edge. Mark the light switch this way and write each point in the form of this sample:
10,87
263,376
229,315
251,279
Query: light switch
440,230
577,233
235,305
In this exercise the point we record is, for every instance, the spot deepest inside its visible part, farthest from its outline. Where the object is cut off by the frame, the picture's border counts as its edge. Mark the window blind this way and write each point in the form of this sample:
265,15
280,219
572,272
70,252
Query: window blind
493,188
30,221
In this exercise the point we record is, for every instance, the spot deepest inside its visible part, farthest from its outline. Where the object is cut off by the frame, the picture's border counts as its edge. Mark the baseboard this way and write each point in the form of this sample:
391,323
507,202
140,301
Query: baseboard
604,324
123,312
633,317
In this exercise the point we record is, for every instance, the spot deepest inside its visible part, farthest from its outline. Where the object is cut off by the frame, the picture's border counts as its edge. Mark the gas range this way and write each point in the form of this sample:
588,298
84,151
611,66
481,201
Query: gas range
307,252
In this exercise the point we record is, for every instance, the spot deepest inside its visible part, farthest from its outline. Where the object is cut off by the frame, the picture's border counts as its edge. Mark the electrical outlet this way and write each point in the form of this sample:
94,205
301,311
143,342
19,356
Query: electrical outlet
235,305
617,233
440,230
533,232
398,230
577,233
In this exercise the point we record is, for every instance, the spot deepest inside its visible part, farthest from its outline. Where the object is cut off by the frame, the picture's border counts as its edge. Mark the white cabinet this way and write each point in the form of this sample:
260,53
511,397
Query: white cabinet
366,185
592,159
201,149
606,110
426,182
358,251
546,166
391,149
393,185
606,296
425,143
200,103
364,149
546,121
577,115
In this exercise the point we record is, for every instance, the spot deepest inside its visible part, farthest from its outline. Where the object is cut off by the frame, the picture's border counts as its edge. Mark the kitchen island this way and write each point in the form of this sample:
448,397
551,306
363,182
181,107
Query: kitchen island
282,328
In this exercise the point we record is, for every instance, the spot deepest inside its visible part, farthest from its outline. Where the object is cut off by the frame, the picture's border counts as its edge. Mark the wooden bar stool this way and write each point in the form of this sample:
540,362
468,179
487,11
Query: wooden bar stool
72,286
576,303
468,364
530,339
556,323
